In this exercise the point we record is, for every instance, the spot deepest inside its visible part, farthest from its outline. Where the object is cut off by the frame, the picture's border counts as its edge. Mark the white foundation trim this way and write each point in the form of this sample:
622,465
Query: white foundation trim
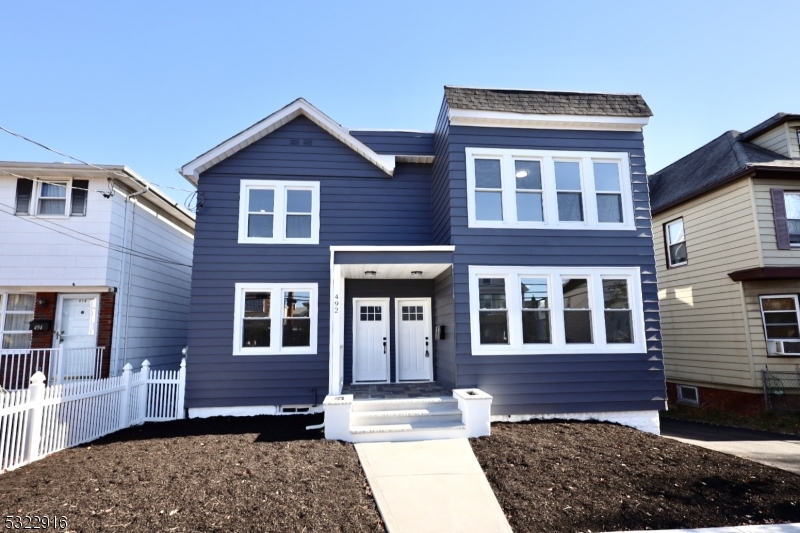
247,410
646,421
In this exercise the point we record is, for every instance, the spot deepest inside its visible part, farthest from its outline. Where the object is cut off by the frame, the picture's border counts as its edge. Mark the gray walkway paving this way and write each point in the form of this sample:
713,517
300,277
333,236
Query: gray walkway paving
771,449
434,486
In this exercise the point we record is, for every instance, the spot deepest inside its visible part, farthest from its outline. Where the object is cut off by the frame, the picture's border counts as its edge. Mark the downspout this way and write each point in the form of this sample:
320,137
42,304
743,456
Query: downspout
130,260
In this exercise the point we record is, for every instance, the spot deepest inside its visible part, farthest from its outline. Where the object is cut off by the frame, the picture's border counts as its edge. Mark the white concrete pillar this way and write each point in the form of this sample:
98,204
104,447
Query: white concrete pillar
337,416
476,409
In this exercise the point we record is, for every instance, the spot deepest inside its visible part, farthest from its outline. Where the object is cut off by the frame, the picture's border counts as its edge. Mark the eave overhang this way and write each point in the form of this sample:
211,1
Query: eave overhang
765,273
191,171
504,119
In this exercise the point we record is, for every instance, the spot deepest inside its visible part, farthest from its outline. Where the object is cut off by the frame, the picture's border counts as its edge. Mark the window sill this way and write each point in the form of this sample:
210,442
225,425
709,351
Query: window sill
679,265
571,350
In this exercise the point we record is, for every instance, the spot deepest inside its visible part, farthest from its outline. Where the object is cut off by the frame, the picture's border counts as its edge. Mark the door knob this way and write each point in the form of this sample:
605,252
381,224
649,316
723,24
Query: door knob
427,353
384,345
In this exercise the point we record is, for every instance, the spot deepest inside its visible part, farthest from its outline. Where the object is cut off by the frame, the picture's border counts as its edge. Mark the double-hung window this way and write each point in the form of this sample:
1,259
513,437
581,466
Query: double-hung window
779,314
279,212
792,202
533,310
16,313
511,188
275,318
51,198
676,243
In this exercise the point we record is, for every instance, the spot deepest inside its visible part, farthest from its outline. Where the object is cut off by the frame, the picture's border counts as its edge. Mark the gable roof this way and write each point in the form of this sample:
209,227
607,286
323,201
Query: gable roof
775,120
725,158
191,170
547,102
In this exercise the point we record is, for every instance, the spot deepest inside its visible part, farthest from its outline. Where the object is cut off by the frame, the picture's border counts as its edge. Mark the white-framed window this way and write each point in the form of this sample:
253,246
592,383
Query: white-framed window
279,212
510,188
530,310
676,243
51,198
780,314
16,313
275,318
688,394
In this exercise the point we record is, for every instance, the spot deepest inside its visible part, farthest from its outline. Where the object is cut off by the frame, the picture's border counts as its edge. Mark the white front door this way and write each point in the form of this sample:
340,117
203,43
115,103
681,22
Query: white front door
370,339
76,334
414,343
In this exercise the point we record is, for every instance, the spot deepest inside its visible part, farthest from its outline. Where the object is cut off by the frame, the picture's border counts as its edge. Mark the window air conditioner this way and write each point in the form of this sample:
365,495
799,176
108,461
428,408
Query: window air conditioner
783,348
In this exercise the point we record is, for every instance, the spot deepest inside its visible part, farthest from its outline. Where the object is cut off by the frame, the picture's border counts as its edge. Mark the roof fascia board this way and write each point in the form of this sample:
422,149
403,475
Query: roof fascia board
505,119
192,170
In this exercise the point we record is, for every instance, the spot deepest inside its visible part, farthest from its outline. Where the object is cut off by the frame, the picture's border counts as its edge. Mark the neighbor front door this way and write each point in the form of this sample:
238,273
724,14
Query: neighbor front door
76,334
414,346
371,340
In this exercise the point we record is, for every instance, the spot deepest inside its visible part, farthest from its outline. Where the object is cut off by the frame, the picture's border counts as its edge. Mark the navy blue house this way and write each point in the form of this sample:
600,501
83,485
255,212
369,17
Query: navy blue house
509,253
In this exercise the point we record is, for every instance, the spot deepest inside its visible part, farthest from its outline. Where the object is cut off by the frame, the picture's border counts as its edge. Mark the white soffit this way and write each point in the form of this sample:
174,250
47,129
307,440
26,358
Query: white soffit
191,171
504,119
394,271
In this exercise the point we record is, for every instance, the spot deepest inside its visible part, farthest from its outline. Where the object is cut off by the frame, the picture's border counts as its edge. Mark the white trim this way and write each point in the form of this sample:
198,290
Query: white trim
558,345
547,159
764,321
504,119
247,410
427,311
444,248
276,291
646,421
387,335
36,195
669,243
279,213
192,169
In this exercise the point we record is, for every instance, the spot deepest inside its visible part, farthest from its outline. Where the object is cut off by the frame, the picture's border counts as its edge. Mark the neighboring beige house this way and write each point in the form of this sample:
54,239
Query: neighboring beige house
726,226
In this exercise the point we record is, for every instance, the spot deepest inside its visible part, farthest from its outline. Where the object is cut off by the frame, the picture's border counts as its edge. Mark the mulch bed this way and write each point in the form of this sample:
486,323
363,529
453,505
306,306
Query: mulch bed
583,476
218,474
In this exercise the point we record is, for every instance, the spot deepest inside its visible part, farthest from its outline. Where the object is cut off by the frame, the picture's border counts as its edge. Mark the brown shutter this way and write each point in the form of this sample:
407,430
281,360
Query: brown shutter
779,213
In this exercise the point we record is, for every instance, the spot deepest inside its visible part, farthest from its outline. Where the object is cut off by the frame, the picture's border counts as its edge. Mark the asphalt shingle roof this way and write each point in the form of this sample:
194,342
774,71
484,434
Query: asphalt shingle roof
768,124
709,165
547,102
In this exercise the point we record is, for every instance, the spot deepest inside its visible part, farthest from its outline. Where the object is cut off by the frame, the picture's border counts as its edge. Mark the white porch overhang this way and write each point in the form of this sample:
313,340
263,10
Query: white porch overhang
374,262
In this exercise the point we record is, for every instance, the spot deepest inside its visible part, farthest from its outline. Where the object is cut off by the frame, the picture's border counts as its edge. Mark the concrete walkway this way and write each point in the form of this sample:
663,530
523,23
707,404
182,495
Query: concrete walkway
434,486
773,528
771,449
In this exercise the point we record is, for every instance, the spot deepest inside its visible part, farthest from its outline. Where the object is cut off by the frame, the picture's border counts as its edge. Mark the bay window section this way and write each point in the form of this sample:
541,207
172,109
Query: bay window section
609,194
517,188
555,310
577,311
488,190
570,192
617,311
493,312
535,311
275,318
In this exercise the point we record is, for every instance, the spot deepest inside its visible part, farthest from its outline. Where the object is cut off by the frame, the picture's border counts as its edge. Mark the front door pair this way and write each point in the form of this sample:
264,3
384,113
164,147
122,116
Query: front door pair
371,340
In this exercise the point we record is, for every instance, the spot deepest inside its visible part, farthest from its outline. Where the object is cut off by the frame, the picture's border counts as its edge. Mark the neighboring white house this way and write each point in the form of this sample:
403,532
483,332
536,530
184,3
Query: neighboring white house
95,272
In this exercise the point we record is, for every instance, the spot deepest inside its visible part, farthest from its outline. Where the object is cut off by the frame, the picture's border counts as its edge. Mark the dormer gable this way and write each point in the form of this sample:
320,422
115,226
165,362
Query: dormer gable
300,107
780,133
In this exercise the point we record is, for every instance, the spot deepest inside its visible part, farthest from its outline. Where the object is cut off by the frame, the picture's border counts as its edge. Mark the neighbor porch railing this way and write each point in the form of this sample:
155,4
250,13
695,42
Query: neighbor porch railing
60,365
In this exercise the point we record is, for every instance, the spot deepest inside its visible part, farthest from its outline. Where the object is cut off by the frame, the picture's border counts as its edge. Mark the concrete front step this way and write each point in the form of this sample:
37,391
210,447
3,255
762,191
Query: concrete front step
399,404
414,425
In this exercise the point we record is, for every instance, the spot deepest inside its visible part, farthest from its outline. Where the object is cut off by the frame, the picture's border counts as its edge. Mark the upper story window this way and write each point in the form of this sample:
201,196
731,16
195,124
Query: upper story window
52,198
279,212
792,202
543,189
275,318
676,243
530,310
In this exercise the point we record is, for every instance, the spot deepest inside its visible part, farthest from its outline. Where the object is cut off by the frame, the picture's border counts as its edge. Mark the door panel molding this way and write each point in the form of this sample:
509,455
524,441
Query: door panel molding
386,319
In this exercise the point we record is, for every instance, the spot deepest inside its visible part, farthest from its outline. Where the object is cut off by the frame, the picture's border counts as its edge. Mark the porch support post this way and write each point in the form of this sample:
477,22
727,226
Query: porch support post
336,363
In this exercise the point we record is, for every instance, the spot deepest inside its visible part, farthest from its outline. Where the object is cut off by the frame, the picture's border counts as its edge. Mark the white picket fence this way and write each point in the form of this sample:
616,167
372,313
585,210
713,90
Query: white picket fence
40,420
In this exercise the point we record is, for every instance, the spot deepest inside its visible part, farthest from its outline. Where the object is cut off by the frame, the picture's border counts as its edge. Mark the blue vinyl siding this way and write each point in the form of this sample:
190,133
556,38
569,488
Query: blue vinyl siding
444,315
532,384
359,205
396,142
441,188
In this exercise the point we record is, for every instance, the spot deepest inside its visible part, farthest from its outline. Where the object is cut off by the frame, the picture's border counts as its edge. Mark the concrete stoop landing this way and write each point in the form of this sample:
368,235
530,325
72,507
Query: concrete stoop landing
464,414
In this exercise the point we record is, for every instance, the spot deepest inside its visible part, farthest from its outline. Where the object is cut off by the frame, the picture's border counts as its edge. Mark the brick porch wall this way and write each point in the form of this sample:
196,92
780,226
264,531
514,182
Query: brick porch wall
105,329
722,400
45,309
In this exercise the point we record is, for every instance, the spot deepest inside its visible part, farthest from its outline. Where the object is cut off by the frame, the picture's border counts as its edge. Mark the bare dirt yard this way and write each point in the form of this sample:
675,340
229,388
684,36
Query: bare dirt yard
583,476
218,474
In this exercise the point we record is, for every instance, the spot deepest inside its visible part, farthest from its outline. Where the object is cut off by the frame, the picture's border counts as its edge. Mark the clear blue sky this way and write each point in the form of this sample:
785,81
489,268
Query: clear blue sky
153,84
